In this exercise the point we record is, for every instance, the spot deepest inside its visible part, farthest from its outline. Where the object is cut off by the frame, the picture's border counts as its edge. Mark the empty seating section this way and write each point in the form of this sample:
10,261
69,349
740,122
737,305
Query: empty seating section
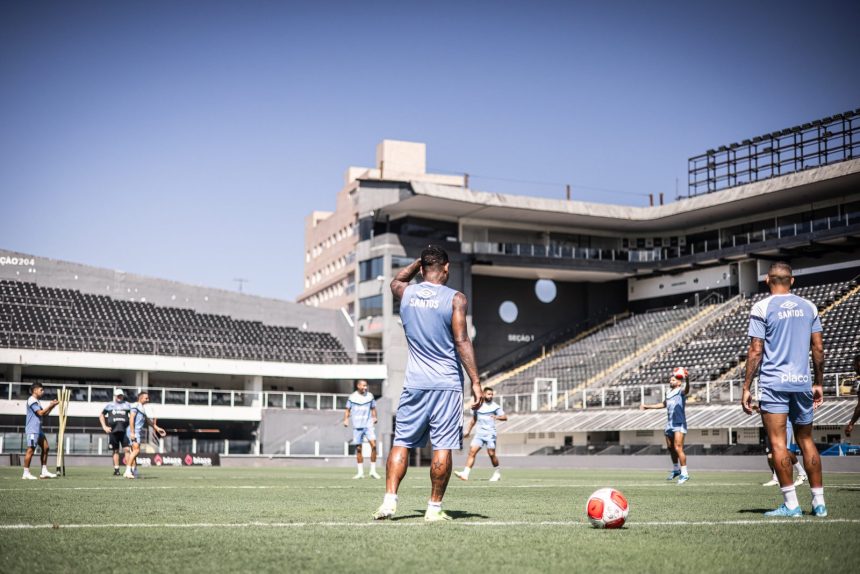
716,350
574,364
35,317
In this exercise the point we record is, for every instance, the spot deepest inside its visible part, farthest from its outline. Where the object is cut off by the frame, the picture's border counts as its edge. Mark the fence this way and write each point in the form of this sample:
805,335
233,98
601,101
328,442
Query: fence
835,385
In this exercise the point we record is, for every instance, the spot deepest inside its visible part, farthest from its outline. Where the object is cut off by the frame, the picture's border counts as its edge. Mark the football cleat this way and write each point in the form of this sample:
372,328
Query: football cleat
384,512
683,478
128,474
801,478
771,482
496,477
673,475
374,475
820,511
461,475
358,476
47,474
28,476
438,516
784,511
116,472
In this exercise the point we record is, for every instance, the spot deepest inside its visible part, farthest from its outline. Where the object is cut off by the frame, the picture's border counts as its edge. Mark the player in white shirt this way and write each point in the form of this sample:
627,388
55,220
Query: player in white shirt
361,409
485,418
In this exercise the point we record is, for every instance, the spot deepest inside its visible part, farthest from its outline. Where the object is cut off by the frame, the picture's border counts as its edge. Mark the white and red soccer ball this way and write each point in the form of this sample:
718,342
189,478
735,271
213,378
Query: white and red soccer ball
607,508
680,373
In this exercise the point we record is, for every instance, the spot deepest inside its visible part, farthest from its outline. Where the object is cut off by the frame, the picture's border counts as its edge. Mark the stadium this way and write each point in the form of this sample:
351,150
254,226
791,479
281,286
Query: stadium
407,287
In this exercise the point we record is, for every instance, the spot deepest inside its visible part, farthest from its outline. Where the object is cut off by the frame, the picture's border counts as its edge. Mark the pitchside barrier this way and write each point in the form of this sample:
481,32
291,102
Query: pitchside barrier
548,396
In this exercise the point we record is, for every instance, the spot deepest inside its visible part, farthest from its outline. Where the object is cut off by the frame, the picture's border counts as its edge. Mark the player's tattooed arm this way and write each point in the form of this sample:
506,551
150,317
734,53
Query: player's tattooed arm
403,277
817,345
460,331
754,356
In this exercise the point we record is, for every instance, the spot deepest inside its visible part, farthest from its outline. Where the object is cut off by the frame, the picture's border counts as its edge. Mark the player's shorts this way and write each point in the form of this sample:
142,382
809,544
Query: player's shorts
34,440
670,431
137,438
797,405
484,441
118,439
423,414
358,435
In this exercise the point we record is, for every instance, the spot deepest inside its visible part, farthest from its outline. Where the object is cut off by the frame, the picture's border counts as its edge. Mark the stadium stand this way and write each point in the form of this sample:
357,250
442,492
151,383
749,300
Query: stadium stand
36,317
575,362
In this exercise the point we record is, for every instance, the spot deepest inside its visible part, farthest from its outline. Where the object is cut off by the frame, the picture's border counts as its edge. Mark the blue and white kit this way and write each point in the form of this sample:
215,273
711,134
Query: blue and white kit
361,416
785,323
33,424
485,437
431,404
676,410
140,418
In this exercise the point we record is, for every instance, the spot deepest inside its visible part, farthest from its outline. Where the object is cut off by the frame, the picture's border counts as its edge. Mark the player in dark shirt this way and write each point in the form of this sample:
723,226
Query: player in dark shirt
114,420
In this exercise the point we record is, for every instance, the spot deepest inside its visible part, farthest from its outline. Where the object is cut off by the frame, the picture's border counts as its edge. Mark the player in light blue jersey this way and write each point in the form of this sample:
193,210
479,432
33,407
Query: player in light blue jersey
485,418
431,404
138,420
676,425
783,329
361,409
33,431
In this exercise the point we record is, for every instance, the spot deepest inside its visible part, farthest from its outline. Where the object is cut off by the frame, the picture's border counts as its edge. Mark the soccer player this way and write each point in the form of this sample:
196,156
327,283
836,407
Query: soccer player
485,417
801,472
783,328
676,427
850,426
361,408
431,404
138,421
33,430
114,420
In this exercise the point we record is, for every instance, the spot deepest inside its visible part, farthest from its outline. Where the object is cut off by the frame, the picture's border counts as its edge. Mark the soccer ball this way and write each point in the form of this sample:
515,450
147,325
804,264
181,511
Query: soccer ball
680,373
607,508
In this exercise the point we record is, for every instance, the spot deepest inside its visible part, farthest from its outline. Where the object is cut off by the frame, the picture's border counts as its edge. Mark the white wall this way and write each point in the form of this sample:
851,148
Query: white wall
687,282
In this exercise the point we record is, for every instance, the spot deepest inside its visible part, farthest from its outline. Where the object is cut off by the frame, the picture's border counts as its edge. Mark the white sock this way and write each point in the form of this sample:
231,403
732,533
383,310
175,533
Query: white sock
466,471
676,466
372,467
818,496
44,469
360,468
26,471
775,477
684,470
434,506
390,499
790,496
800,470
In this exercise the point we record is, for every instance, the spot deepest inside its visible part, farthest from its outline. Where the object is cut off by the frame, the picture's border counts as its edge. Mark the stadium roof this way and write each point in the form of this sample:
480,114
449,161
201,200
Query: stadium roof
832,412
816,184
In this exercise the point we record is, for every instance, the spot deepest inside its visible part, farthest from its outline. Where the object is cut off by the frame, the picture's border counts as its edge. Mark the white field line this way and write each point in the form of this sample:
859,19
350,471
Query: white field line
226,525
618,485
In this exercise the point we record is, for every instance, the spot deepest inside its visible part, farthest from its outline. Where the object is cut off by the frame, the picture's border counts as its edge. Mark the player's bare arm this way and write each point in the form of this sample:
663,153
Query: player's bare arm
501,417
686,390
131,416
346,417
48,409
472,422
403,278
154,424
754,356
102,420
817,347
660,405
375,418
465,350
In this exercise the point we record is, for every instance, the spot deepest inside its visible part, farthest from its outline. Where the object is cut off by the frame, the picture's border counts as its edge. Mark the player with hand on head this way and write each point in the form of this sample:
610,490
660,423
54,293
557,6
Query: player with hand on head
485,418
849,428
138,421
33,431
676,427
783,329
114,420
431,404
361,410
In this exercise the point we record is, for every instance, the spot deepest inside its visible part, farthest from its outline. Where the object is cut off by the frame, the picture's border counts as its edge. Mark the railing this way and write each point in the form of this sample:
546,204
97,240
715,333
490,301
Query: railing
631,396
560,251
190,397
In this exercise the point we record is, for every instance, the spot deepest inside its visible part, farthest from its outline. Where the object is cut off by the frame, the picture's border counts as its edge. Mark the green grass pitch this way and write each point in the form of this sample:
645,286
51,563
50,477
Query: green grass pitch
295,520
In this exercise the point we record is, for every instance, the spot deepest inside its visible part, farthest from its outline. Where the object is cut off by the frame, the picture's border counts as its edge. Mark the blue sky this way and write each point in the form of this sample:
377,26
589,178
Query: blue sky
188,140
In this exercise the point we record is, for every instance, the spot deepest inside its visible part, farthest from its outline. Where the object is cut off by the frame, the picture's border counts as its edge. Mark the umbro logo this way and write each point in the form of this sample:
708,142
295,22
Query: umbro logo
426,293
788,305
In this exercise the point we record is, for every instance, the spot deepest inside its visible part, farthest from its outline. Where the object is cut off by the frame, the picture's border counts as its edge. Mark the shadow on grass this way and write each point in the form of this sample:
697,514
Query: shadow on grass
754,510
455,514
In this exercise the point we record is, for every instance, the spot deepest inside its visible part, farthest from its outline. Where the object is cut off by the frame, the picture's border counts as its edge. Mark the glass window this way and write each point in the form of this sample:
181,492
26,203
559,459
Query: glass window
370,306
370,269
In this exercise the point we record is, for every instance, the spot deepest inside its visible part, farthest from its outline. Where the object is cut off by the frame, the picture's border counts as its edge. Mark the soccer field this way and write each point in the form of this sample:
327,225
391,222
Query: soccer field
231,520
